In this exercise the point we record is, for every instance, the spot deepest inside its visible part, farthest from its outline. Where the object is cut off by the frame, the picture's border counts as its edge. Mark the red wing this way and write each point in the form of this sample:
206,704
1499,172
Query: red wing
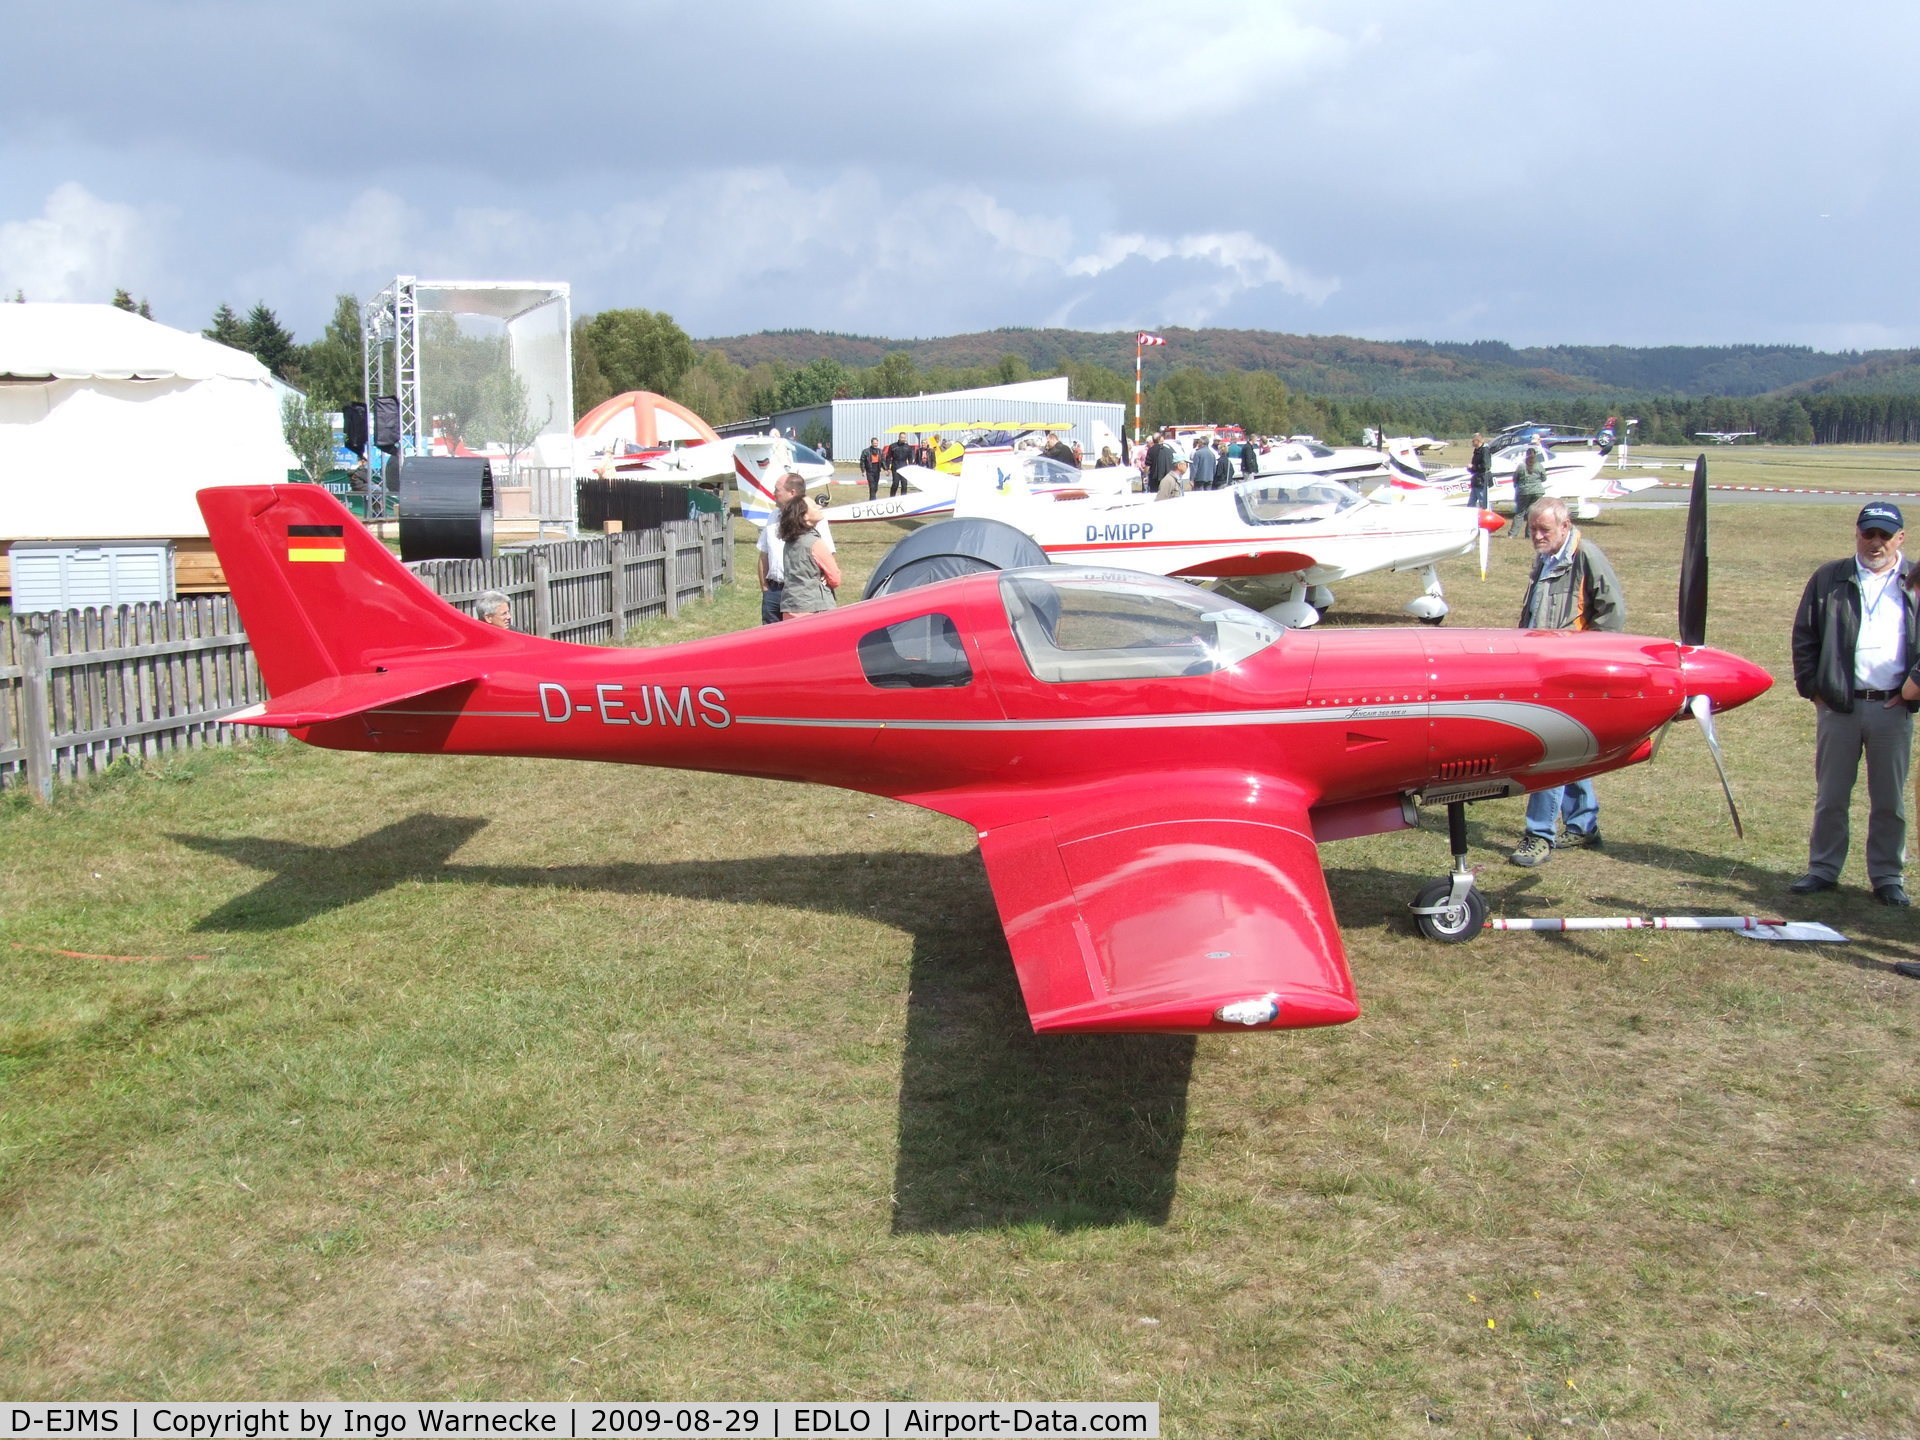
1157,926
1251,562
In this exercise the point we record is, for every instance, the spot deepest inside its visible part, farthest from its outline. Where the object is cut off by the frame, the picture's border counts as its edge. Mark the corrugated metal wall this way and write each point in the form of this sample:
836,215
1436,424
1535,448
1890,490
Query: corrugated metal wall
855,421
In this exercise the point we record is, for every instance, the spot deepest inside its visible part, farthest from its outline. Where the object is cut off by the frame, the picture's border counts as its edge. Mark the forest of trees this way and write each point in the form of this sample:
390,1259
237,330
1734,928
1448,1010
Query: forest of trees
1479,386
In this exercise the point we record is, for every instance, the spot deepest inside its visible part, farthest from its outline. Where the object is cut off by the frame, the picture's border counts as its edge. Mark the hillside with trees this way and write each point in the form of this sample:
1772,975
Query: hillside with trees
1274,383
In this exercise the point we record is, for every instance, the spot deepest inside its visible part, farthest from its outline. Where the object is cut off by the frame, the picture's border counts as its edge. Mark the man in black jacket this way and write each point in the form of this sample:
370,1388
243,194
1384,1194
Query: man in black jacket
1160,458
1856,637
872,461
899,453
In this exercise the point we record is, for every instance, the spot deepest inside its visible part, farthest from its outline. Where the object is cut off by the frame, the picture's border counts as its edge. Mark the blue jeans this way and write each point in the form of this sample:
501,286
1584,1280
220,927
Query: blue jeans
770,604
1576,804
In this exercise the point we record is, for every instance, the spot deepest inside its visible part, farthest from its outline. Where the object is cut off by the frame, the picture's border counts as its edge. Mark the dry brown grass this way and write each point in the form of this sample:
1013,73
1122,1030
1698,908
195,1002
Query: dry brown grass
521,1079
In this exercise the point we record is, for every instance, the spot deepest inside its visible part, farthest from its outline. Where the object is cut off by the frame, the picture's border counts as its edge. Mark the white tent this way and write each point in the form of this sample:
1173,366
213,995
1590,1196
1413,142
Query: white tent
109,423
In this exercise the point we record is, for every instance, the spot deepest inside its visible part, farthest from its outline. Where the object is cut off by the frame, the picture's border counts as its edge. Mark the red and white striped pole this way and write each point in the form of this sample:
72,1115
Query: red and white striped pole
1140,342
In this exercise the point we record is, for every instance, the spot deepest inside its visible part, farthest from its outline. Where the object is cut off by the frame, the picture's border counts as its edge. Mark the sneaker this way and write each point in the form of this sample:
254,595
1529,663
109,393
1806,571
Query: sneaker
1578,839
1534,850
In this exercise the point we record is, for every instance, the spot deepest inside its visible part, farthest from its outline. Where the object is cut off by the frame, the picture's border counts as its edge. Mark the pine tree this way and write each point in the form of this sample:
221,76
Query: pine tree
227,329
271,343
123,301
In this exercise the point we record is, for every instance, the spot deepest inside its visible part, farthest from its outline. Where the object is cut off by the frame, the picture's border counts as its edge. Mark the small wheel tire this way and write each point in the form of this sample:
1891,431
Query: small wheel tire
1451,927
1434,621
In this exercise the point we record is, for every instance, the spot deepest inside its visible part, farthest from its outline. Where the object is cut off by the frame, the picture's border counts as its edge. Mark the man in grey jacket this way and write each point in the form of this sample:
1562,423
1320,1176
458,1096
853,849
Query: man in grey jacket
1572,587
1856,636
1203,464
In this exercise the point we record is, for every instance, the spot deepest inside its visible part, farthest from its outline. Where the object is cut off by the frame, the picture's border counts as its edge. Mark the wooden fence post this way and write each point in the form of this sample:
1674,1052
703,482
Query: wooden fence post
617,582
36,707
670,560
542,596
706,559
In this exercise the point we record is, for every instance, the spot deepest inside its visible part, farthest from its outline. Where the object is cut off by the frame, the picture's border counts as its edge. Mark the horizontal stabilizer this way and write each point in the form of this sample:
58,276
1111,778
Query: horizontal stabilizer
340,696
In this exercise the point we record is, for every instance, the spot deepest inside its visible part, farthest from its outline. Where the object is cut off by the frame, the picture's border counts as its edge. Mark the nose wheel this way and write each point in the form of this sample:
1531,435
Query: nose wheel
1452,910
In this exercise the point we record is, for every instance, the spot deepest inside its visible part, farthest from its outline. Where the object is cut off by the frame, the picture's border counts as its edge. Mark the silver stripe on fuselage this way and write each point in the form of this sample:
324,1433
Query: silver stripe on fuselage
1565,741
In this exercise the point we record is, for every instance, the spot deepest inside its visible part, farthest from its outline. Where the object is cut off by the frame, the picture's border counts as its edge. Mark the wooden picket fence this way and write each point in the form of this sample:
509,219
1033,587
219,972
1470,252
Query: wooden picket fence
81,689
592,591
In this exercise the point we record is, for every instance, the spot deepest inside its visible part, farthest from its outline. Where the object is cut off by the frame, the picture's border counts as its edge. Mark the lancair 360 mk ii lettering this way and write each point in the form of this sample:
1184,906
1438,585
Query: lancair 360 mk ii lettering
1149,767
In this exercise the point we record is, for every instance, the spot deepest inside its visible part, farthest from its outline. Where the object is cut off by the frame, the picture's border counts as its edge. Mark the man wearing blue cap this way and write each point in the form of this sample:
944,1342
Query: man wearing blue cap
1855,637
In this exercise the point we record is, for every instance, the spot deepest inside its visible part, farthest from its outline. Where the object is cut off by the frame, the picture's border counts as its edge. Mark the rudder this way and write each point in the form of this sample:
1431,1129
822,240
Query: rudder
319,595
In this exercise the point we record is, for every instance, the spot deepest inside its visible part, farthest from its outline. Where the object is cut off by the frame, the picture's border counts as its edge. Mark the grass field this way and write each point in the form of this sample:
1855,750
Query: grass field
331,1075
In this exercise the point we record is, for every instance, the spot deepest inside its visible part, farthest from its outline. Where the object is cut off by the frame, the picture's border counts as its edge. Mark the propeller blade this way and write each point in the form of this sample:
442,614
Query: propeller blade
1693,562
1485,550
1659,739
1702,708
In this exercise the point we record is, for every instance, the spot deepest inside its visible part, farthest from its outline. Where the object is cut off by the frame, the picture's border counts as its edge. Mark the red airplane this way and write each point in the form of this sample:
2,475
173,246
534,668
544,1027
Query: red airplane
1149,767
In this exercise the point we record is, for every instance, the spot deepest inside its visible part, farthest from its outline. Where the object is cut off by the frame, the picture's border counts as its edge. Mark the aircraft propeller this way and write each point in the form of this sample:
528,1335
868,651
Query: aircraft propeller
1693,625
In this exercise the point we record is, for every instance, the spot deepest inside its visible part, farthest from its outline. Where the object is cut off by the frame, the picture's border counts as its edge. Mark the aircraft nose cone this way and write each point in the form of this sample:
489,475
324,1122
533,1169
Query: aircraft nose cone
1491,521
1725,679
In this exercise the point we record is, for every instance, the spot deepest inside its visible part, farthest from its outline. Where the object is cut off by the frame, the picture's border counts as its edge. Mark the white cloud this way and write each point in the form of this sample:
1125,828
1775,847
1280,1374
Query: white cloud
1203,58
1219,268
78,248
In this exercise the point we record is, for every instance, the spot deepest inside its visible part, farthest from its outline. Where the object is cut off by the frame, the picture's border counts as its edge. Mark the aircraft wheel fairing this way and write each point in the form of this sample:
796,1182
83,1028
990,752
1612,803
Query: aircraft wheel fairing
1455,925
1294,614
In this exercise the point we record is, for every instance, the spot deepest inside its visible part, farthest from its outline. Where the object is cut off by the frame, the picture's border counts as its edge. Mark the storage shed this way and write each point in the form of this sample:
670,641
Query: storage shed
110,422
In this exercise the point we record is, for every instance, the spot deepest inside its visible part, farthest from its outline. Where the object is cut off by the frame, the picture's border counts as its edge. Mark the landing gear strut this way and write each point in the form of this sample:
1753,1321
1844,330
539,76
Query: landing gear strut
1452,910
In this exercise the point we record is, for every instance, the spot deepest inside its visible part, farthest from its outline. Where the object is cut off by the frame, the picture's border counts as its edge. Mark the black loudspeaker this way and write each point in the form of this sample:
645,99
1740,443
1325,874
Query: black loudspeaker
386,423
353,424
446,508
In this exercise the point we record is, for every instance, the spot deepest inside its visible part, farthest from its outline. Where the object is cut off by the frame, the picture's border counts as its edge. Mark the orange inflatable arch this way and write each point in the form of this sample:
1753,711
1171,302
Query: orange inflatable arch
643,418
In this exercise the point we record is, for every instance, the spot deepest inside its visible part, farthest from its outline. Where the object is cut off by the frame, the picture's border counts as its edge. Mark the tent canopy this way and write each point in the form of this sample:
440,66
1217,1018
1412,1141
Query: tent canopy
948,548
109,423
40,342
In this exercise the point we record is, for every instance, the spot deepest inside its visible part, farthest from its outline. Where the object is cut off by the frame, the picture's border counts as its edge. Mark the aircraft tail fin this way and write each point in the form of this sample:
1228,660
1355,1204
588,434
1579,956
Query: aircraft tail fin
756,489
1404,465
758,463
322,598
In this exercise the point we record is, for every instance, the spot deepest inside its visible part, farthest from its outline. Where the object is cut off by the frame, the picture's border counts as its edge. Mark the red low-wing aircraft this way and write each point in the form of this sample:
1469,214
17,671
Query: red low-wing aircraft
1149,767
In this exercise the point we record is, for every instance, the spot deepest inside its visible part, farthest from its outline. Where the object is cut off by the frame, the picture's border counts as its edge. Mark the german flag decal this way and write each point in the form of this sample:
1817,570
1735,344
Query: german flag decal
316,542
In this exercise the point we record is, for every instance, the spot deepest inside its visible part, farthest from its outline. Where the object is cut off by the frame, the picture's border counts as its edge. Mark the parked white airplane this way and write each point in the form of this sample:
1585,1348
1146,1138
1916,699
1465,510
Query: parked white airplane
1262,537
1572,475
767,457
1351,464
1724,437
934,491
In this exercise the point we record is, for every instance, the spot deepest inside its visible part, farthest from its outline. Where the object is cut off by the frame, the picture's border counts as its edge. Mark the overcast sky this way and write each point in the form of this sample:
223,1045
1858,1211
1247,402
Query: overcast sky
1637,173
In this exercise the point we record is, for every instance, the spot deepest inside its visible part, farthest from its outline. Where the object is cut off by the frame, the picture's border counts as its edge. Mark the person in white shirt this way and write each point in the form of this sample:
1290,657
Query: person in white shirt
773,553
1856,637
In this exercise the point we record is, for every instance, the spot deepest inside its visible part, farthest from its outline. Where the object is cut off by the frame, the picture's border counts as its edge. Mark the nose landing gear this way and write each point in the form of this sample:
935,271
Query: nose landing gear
1452,910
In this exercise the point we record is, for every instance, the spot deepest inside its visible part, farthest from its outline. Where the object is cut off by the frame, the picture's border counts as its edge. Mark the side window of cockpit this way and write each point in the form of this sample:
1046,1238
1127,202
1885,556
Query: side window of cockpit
919,654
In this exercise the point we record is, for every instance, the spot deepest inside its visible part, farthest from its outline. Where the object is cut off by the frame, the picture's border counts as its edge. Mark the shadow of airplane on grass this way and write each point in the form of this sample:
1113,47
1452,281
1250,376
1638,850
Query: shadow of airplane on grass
997,1126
